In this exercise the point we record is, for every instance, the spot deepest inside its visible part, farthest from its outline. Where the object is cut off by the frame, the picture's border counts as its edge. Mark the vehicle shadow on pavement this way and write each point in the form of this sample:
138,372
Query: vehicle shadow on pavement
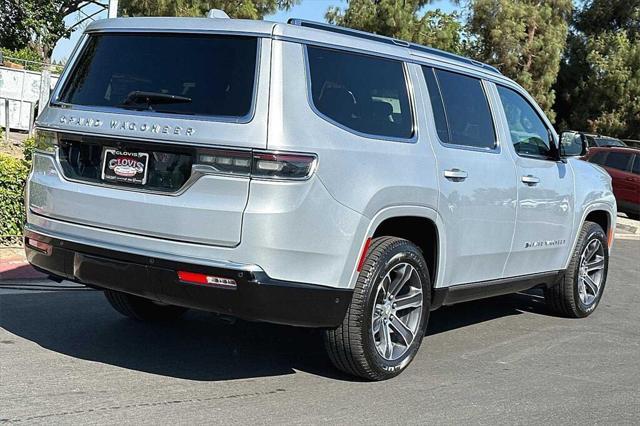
81,324
461,315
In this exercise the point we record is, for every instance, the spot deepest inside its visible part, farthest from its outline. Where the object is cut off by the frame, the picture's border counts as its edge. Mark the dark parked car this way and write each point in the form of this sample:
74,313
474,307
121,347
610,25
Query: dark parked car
575,143
623,164
594,141
632,142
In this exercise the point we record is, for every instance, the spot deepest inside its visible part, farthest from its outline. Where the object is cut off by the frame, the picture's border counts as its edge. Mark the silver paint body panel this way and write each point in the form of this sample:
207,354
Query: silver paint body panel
313,231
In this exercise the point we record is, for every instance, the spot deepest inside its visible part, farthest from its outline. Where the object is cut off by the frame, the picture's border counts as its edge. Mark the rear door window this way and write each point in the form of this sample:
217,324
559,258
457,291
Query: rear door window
618,161
206,75
598,158
460,108
364,93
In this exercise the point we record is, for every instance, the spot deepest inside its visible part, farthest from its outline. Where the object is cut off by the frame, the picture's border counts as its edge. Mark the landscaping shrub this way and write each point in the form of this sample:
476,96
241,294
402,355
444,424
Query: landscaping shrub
13,174
27,149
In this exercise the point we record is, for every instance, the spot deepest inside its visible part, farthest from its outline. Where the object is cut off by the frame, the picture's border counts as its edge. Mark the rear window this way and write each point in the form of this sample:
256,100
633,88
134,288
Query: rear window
364,93
180,74
618,160
460,109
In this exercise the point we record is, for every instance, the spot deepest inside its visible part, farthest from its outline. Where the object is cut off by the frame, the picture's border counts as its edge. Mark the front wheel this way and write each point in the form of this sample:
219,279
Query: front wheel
580,291
384,325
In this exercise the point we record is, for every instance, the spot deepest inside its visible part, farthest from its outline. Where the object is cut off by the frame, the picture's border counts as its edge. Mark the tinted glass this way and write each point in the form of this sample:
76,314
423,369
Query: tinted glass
529,134
211,75
609,142
636,165
436,104
618,160
591,142
363,93
598,157
466,109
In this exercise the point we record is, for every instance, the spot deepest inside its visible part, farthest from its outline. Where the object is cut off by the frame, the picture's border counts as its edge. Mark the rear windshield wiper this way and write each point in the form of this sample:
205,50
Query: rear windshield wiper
137,98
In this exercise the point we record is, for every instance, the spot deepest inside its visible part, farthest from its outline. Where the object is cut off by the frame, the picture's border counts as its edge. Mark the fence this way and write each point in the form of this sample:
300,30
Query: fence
24,90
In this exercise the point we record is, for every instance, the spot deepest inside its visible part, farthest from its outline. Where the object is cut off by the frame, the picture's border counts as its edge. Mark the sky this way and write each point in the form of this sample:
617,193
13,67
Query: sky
313,10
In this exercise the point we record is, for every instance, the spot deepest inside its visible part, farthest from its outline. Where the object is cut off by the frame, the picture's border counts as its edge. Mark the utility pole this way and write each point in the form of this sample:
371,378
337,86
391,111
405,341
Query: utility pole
113,9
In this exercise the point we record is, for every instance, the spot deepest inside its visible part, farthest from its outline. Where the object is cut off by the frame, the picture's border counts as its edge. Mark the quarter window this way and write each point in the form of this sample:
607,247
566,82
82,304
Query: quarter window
618,160
460,109
364,93
636,165
529,135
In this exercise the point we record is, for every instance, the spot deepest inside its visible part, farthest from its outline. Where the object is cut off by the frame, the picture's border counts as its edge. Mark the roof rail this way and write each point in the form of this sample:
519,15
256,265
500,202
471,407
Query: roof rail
388,40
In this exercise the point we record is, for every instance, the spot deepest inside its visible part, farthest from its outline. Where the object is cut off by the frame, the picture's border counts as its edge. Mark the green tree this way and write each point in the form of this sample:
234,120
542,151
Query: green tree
39,24
402,20
249,9
524,39
599,81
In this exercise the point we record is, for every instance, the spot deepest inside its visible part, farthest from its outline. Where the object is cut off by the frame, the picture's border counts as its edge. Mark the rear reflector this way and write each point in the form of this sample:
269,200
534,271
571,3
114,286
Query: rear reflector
206,280
43,248
612,231
363,255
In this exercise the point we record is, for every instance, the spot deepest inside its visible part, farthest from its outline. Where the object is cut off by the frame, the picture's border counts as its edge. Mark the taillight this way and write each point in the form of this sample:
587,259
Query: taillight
226,161
282,166
46,141
259,164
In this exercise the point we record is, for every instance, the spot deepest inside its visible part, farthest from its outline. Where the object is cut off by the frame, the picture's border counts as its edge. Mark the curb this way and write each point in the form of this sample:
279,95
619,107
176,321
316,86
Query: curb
18,269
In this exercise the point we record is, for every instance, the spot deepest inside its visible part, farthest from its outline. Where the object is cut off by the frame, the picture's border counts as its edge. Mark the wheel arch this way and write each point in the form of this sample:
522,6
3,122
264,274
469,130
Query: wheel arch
420,225
601,213
602,218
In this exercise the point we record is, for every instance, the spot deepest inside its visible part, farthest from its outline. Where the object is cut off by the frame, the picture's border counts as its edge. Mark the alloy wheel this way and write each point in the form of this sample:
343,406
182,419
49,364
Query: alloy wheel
591,272
397,311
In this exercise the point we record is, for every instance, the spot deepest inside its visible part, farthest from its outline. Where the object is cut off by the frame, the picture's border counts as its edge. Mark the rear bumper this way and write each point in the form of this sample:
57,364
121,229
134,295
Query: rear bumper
257,297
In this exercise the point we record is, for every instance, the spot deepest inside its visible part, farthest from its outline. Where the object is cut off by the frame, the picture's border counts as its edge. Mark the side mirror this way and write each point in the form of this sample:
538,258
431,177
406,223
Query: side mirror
572,144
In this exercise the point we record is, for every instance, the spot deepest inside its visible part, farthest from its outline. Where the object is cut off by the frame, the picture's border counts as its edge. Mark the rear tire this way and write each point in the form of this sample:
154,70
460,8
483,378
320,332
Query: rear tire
577,296
142,309
386,320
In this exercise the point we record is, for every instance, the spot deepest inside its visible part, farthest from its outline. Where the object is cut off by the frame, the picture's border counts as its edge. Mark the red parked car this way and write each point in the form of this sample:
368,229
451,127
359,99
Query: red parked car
623,164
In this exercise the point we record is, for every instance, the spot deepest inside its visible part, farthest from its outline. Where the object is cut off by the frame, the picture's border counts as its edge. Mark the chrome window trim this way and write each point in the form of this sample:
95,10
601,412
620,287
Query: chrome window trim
408,86
408,56
497,149
54,101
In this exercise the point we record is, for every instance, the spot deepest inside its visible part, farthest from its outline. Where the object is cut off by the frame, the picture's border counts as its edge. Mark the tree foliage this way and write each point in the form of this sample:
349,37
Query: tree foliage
524,39
599,80
39,24
402,20
249,9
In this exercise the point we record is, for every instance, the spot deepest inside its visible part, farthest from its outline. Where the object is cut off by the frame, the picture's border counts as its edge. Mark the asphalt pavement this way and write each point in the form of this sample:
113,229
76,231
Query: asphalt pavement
67,357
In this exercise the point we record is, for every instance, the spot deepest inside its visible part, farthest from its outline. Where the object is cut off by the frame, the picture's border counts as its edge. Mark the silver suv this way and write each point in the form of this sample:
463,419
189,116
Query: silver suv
309,175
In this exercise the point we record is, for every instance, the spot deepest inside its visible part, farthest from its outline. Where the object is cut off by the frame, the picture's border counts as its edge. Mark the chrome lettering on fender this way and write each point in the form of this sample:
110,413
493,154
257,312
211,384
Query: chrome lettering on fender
545,243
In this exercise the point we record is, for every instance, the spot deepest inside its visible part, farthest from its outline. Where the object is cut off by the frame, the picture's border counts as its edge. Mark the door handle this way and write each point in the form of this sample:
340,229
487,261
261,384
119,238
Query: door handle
455,175
530,180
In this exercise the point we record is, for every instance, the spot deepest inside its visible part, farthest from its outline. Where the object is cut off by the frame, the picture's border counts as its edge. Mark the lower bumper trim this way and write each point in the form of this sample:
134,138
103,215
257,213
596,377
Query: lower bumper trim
256,297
